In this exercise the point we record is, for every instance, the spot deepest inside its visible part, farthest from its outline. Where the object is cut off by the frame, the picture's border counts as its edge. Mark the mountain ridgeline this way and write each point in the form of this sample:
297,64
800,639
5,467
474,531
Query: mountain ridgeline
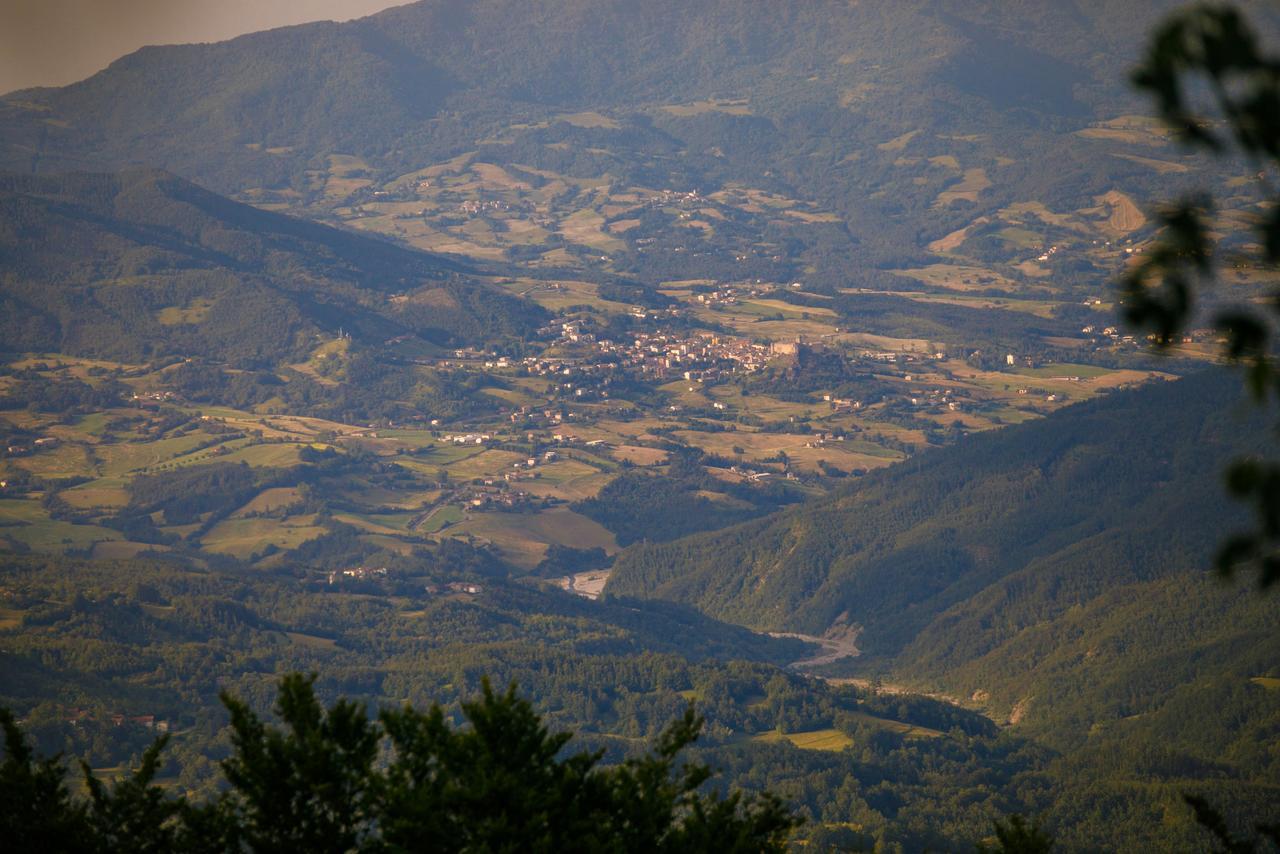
142,264
823,100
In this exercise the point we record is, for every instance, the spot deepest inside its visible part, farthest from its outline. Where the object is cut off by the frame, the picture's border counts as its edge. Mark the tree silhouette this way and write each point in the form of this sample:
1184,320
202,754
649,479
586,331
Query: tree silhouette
336,780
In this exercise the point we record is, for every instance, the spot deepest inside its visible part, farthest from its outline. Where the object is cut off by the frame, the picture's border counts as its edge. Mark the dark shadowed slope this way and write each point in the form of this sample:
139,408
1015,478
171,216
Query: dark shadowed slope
143,263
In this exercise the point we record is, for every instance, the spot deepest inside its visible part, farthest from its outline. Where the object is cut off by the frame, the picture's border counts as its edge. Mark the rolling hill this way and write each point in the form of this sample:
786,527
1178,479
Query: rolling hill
142,264
898,121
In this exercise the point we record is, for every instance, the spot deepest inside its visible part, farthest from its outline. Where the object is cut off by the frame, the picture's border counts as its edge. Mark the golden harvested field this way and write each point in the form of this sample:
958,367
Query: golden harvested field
268,500
909,730
958,277
640,456
123,550
10,618
818,739
497,177
811,216
750,324
522,538
1133,130
589,584
1019,211
123,458
487,464
1039,308
393,525
951,242
791,308
734,107
970,186
1163,167
585,226
310,641
191,313
243,537
64,460
1125,215
579,488
104,492
899,142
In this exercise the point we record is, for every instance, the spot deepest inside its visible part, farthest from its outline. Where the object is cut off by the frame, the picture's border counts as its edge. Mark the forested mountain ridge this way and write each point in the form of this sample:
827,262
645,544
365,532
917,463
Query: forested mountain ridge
1052,574
958,560
397,80
904,544
897,120
143,264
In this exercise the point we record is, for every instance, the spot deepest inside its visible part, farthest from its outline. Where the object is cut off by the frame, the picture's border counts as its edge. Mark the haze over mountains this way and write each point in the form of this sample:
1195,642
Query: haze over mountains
825,99
364,348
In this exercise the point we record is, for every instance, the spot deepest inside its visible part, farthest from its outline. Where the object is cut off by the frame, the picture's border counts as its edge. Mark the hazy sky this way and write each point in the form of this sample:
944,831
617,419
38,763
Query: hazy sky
55,42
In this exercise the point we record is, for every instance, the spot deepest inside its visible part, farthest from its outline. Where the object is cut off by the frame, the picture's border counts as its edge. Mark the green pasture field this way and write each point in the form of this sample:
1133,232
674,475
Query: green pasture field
450,514
522,538
819,739
243,537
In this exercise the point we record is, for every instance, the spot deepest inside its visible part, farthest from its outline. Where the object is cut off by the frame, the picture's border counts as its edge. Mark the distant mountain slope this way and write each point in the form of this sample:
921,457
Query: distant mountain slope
143,263
1111,478
863,108
1052,573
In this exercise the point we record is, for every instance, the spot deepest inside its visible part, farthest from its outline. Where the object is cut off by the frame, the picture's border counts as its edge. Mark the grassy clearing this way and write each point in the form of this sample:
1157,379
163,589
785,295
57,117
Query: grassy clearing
970,186
898,142
490,463
389,524
589,119
311,641
10,618
123,550
1163,167
48,535
952,241
275,456
586,227
194,312
640,456
734,107
104,492
1269,682
819,739
243,537
1125,216
268,500
1066,369
791,308
126,458
65,460
909,730
958,277
450,514
1039,308
522,538
575,489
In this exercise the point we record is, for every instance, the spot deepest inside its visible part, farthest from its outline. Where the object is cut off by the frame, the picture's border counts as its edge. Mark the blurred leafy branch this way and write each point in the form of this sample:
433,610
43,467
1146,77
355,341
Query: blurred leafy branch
1219,91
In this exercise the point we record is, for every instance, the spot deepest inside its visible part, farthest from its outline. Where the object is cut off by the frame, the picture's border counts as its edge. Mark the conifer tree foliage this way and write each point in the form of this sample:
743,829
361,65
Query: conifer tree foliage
336,780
